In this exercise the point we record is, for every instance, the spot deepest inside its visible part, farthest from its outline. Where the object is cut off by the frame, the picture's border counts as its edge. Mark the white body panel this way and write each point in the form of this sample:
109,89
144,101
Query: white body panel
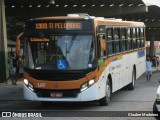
158,105
121,70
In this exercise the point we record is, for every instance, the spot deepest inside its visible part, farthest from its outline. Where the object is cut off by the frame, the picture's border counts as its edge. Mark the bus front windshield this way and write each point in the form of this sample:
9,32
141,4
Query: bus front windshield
60,52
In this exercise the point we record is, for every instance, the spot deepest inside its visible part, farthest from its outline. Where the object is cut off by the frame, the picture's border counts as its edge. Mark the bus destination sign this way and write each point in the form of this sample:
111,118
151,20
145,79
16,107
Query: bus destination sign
59,25
39,40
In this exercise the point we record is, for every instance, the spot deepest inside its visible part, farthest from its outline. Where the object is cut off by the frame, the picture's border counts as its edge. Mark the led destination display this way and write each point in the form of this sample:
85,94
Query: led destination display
45,25
74,25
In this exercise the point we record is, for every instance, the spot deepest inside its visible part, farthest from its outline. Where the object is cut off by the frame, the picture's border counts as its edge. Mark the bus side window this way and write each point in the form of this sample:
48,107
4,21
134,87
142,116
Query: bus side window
110,45
138,38
129,39
134,38
123,39
117,40
142,37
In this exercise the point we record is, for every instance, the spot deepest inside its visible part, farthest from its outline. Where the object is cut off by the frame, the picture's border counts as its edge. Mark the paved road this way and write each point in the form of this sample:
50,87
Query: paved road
140,99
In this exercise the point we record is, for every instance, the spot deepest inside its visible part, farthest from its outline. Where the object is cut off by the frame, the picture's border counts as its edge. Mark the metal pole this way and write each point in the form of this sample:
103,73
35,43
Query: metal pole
3,44
152,49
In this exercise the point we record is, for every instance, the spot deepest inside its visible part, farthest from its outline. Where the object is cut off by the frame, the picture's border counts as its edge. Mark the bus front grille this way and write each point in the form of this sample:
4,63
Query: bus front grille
58,75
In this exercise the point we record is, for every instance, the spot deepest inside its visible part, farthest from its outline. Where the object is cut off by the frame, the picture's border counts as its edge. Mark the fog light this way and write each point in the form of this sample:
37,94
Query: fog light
30,86
84,87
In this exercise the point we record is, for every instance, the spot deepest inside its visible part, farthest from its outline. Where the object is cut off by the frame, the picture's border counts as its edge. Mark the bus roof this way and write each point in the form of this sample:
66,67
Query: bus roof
98,20
119,23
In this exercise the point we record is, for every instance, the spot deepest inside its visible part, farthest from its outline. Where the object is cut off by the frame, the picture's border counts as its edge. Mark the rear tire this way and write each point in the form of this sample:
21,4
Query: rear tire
106,100
132,84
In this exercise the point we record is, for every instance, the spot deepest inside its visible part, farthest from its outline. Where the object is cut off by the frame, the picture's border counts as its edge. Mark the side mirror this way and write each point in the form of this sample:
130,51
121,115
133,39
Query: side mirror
18,43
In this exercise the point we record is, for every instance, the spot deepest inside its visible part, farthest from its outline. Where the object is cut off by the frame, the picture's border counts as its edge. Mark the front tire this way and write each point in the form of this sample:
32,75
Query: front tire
106,100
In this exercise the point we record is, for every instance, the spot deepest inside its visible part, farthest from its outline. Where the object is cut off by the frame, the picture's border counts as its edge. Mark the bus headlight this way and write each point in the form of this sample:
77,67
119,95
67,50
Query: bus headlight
87,85
25,81
28,84
91,82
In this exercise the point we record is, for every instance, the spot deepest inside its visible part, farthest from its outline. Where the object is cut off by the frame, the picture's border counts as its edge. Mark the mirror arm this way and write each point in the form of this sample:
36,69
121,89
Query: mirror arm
18,43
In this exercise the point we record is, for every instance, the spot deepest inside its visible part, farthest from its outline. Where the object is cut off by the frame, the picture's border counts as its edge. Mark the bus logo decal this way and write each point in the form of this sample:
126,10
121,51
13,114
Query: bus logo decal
56,86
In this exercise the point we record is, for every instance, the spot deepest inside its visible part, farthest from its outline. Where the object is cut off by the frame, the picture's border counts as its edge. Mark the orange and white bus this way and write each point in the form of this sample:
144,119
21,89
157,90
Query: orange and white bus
81,58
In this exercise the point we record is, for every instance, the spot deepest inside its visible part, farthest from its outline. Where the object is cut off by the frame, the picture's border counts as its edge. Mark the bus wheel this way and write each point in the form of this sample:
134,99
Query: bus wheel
132,84
105,100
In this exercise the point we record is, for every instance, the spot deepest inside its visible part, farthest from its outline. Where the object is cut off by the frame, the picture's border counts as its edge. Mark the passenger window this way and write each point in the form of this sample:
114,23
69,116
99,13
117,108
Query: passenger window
129,39
141,32
117,40
110,45
109,33
138,38
134,38
123,39
117,46
116,34
142,37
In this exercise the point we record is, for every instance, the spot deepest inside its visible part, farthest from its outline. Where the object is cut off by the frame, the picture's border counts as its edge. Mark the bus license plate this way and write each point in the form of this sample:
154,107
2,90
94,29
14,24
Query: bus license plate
56,95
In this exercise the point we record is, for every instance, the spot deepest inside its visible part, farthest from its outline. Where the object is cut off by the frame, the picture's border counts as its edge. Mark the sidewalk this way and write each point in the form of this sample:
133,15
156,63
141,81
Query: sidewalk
9,84
154,69
10,93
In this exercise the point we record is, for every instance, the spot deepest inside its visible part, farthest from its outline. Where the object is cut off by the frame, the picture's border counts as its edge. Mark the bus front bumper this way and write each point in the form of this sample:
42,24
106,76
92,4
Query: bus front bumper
90,94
